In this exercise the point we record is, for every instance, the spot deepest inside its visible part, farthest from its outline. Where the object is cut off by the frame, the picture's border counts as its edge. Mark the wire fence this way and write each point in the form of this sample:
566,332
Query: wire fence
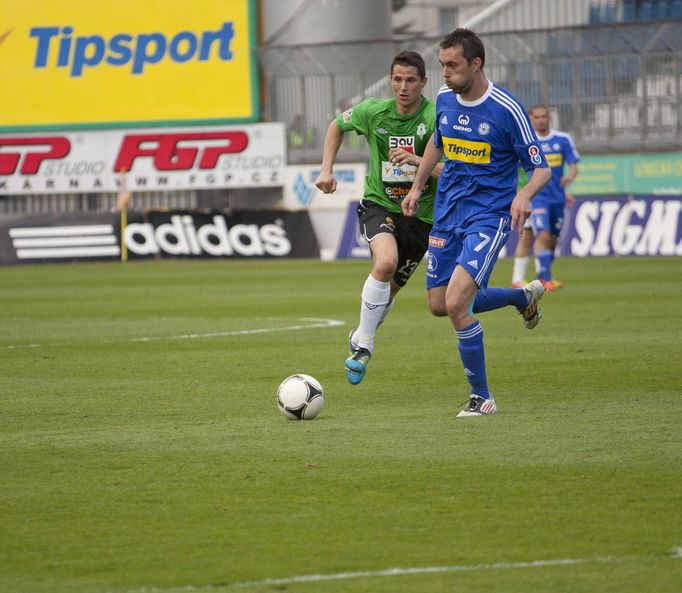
613,87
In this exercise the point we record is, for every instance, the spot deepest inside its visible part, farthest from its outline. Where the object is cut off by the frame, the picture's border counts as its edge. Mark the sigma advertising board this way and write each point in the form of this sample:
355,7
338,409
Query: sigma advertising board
74,64
620,225
199,157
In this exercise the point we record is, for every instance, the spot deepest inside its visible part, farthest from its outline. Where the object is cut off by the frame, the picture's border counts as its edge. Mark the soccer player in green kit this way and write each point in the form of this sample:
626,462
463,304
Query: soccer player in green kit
397,132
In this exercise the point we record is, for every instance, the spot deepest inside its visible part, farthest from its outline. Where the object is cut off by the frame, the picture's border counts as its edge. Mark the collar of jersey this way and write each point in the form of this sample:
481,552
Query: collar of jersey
477,101
548,136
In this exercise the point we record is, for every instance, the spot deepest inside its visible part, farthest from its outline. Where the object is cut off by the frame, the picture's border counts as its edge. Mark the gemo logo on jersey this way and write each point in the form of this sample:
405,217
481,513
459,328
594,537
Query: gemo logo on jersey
64,48
466,151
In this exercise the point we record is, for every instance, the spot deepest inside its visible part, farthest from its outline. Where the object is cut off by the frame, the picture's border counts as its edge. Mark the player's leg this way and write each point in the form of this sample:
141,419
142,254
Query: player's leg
522,256
485,245
377,290
410,237
544,255
375,300
457,259
412,240
441,260
540,218
436,297
556,222
460,293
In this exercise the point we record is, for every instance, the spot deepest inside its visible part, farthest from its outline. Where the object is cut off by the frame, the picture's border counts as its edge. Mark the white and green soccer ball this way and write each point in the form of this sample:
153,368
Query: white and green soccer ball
300,397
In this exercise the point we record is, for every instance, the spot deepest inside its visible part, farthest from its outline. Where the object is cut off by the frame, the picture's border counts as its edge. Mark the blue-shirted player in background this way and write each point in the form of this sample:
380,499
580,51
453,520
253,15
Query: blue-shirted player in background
548,206
484,133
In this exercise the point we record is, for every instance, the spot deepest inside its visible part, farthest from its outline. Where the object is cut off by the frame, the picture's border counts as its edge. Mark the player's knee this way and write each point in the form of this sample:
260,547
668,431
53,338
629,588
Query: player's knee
455,310
438,309
384,268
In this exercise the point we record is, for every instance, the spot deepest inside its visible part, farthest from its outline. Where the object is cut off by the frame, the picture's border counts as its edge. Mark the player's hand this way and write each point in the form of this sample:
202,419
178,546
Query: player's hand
569,200
410,203
399,156
520,211
326,182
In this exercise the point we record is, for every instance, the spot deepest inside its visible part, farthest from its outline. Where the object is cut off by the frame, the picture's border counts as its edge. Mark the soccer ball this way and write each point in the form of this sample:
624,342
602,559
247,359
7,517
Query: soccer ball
300,397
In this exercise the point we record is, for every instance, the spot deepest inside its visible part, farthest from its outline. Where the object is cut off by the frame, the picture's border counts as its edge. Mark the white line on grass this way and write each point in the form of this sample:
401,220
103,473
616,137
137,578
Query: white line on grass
310,323
392,572
313,322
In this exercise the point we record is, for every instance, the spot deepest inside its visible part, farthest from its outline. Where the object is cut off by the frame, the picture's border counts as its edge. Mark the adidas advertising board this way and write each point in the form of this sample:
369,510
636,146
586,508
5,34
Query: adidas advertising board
179,233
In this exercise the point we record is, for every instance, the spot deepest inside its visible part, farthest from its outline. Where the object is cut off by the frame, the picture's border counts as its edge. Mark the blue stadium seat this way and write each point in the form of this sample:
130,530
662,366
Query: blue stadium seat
676,9
646,10
595,14
629,11
609,13
661,9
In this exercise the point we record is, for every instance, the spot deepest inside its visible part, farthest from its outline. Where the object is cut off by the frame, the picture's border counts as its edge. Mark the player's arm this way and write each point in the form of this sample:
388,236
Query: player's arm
432,156
332,142
520,206
572,174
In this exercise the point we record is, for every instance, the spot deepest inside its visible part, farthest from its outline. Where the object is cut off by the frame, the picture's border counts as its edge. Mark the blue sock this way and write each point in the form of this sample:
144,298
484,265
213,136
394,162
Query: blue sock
473,358
544,264
488,299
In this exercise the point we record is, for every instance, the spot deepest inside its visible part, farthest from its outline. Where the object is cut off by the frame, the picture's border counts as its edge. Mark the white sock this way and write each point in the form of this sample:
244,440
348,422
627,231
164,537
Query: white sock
375,297
520,266
387,310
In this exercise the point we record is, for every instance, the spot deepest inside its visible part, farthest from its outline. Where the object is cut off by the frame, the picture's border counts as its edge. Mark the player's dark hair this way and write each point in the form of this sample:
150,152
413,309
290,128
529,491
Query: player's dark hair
410,58
471,44
538,106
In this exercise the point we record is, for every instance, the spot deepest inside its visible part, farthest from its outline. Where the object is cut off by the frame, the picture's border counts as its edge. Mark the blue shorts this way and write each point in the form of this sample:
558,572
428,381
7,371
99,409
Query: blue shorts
547,217
475,248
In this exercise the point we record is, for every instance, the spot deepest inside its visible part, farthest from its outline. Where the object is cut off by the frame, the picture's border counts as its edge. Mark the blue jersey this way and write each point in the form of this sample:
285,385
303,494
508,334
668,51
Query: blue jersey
558,149
483,142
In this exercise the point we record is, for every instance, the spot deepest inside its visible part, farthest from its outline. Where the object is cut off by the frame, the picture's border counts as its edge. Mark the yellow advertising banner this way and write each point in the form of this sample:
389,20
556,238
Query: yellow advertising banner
74,64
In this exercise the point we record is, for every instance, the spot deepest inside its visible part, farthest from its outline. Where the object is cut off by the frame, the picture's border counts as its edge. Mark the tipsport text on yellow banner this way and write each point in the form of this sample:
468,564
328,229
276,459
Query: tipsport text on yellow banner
78,64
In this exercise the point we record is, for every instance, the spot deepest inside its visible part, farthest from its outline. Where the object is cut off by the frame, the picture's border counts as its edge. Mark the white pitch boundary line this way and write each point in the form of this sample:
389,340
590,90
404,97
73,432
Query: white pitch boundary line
311,323
392,572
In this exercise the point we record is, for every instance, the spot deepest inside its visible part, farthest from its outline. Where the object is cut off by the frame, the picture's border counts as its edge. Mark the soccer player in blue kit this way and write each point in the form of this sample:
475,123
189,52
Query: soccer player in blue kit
547,208
484,133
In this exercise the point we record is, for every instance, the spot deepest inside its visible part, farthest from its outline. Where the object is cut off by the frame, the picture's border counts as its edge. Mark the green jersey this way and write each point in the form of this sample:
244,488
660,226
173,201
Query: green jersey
385,128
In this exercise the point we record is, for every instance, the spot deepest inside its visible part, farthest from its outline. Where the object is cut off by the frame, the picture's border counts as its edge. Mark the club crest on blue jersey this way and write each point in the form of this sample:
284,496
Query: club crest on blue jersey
431,264
534,153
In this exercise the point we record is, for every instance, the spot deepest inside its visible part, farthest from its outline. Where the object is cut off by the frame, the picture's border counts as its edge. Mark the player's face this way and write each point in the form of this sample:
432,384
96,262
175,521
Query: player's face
459,74
407,87
539,117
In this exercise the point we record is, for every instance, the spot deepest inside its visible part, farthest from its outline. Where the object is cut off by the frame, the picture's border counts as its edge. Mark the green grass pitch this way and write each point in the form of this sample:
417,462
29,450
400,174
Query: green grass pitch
141,449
